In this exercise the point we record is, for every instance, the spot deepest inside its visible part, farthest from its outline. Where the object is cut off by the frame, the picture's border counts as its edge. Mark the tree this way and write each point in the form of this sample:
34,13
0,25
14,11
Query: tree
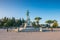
23,21
34,24
13,21
49,22
1,24
8,23
5,19
37,20
6,26
55,24
18,22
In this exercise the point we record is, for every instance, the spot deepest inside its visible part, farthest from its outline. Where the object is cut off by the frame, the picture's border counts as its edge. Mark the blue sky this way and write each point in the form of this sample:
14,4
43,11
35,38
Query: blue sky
46,9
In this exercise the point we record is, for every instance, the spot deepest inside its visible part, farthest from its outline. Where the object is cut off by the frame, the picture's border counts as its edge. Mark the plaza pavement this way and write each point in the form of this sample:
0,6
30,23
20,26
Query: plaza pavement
29,35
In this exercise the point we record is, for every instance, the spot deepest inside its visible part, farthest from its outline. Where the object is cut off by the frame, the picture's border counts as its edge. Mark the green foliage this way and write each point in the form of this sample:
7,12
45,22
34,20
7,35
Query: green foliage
55,24
49,21
23,21
13,21
34,25
0,22
5,19
37,19
18,22
8,22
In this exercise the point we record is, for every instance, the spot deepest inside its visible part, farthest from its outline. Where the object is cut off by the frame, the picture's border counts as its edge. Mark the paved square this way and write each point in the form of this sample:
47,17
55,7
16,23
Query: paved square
29,35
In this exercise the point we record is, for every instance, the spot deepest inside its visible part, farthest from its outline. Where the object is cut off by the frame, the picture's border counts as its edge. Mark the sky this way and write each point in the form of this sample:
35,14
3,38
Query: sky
46,9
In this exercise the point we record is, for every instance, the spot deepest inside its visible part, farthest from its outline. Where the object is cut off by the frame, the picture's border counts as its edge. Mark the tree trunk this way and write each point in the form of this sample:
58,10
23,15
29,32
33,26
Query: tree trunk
7,29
